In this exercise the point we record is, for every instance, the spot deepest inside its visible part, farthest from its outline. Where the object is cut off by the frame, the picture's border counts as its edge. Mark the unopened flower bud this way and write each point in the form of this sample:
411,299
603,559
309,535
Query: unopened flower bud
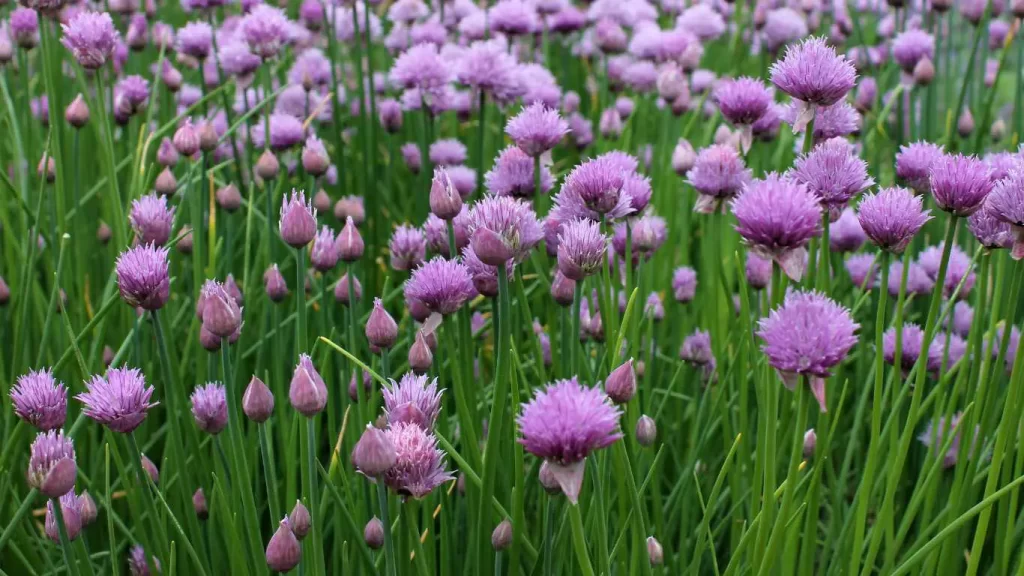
267,166
186,139
47,167
87,507
373,533
374,454
166,184
283,551
563,289
646,431
350,242
501,537
207,137
77,113
300,520
654,551
381,328
257,401
621,383
420,356
445,201
924,72
199,504
810,442
965,124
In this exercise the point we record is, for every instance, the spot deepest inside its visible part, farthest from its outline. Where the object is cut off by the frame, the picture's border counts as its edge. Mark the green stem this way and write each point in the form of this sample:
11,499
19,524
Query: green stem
65,543
579,541
268,473
385,518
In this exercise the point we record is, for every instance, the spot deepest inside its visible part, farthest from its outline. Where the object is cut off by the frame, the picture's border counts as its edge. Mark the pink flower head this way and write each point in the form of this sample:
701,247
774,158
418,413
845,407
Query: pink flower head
684,283
265,30
151,219
935,437
1006,203
447,152
581,248
892,217
912,346
119,400
808,335
511,222
513,175
420,466
408,247
846,234
594,188
742,101
210,407
911,46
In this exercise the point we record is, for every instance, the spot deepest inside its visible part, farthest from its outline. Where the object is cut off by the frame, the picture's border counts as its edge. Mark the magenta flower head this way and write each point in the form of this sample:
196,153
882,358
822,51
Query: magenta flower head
742,101
40,400
684,284
807,336
1006,204
413,400
502,227
441,285
914,164
536,129
581,248
70,510
210,407
960,183
298,220
717,175
777,217
307,392
912,346
151,219
814,75
892,217
563,424
935,437
911,46
51,465
833,173
24,27
220,312
419,465
846,234
119,400
264,29
91,37
513,175
142,277
408,247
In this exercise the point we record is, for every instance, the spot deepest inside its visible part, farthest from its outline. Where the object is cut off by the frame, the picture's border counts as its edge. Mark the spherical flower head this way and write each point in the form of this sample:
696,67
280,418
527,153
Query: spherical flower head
24,26
40,400
236,59
502,227
298,220
51,464
142,277
581,248
960,183
71,511
311,68
910,46
758,271
654,308
742,101
777,217
195,39
286,131
717,174
487,66
914,164
408,247
637,190
91,38
808,335
846,234
912,345
514,17
119,400
641,77
813,73
307,391
649,232
513,175
918,281
696,348
436,232
594,188
892,217
702,21
485,276
782,26
218,310
536,129
684,284
419,466
421,67
958,269
835,121
1006,204
151,219
441,285
833,173
935,437
863,270
265,30
412,400
991,232
447,152
563,424
210,407
412,157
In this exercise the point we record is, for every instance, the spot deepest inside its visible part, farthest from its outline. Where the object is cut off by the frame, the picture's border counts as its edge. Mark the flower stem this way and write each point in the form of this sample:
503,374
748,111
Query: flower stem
300,299
578,540
65,544
385,518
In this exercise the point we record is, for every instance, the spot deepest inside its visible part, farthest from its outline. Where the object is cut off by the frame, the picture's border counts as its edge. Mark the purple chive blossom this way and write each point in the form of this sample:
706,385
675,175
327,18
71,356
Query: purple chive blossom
807,336
835,121
138,564
51,464
419,467
911,46
421,67
408,247
24,26
696,349
118,400
436,232
960,183
935,437
236,59
463,179
298,220
91,37
777,217
1006,203
324,255
485,276
448,152
991,232
581,248
536,129
742,101
846,234
441,285
1002,163
219,311
717,175
265,30
412,400
563,424
782,26
918,281
142,277
833,173
195,39
151,219
286,131
914,164
684,284
513,17
649,233
310,69
814,75
892,217
863,270
210,408
702,21
513,175
487,66
40,400
758,271
594,189
963,319
71,511
654,308
912,345
502,227
958,269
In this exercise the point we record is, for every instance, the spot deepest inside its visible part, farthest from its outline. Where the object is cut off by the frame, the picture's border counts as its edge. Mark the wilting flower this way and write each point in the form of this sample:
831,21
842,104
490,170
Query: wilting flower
118,400
210,408
563,424
892,217
960,183
40,400
414,400
51,464
777,217
807,336
441,285
142,277
419,466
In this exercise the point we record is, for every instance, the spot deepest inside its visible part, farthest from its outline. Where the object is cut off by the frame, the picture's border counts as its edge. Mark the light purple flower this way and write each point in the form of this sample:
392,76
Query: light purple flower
581,248
70,510
702,21
911,46
142,276
448,152
324,255
265,30
421,67
195,39
40,400
912,345
151,219
210,408
91,37
413,400
508,220
420,466
742,101
1006,203
812,73
959,268
594,189
918,281
408,247
684,283
513,17
513,175
892,217
487,66
960,183
934,437
440,285
311,68
298,220
717,175
846,234
833,173
863,270
51,464
914,164
536,129
990,231
118,400
286,131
